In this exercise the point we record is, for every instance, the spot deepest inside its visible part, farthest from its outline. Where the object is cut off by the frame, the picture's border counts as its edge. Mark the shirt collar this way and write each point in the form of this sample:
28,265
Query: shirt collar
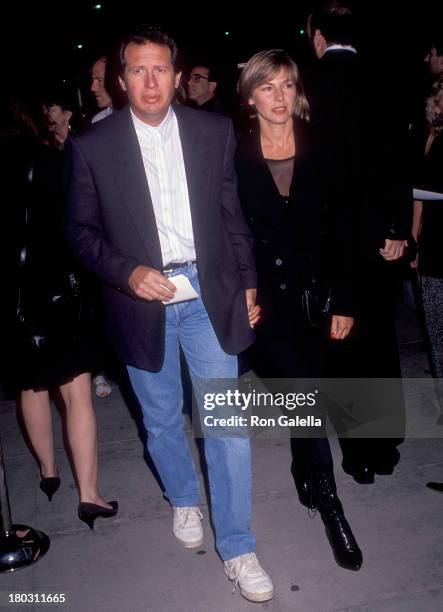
164,129
341,47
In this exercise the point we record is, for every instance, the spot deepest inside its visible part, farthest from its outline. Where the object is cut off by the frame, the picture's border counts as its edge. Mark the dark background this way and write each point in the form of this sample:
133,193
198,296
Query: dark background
39,40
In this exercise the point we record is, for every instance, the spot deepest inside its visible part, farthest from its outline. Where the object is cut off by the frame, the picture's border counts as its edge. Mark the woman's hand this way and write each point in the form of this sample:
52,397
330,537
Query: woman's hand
341,326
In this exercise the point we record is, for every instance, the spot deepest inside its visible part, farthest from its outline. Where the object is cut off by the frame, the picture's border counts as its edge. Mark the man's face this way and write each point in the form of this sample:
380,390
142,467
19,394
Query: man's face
435,62
56,118
149,80
200,88
98,84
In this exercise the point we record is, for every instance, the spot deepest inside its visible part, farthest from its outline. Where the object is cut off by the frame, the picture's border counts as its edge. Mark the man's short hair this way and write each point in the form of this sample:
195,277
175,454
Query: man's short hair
336,22
437,44
100,58
213,72
60,95
146,33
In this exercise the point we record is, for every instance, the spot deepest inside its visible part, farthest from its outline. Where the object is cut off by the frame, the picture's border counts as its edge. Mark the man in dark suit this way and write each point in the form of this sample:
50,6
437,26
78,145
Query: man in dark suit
202,85
362,146
153,197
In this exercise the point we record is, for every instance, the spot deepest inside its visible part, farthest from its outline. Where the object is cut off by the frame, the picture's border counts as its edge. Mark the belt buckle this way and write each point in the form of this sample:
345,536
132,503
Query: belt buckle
176,266
172,267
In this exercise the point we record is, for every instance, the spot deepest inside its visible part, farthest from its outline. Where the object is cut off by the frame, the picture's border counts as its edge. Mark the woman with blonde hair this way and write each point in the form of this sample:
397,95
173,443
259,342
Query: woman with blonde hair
295,242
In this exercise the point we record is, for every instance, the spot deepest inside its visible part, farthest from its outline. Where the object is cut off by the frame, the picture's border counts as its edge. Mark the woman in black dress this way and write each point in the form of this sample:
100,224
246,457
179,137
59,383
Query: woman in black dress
278,183
53,344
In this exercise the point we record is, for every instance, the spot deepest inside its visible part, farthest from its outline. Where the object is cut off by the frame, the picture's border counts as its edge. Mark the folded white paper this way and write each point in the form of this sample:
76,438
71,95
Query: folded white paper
185,291
424,194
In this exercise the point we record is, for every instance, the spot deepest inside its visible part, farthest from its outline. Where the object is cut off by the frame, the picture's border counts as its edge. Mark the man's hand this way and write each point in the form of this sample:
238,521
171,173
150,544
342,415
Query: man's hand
150,284
340,327
253,309
393,250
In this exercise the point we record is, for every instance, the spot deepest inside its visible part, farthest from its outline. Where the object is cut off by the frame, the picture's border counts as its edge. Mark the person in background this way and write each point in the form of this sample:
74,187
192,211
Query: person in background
426,229
202,89
362,179
53,343
98,88
104,101
424,81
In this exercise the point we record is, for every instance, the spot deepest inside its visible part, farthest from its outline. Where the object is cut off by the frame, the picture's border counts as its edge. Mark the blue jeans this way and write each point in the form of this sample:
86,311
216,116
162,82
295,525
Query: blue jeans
161,398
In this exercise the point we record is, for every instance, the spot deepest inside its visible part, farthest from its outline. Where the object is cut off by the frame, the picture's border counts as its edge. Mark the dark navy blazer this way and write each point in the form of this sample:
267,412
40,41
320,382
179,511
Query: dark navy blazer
111,227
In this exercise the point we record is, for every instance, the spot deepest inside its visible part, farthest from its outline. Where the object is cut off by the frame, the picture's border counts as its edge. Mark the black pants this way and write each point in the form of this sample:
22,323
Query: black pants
288,348
371,352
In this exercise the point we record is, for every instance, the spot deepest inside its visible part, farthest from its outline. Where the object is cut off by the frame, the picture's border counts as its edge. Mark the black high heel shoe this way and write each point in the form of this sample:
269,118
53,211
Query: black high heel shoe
50,485
89,512
435,486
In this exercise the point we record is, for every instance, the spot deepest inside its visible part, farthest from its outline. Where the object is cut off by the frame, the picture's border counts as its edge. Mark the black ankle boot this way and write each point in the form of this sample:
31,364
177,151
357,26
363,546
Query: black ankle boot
361,472
343,543
304,488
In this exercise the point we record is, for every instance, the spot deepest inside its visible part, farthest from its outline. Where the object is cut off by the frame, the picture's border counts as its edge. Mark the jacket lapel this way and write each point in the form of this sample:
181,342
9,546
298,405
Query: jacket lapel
196,156
130,179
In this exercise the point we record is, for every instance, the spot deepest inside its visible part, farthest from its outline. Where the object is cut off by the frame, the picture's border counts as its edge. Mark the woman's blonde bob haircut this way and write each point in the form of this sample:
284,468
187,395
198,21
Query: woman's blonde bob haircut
265,65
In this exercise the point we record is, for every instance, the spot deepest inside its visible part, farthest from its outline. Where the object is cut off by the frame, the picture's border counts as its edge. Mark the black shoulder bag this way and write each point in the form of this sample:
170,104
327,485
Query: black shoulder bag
317,299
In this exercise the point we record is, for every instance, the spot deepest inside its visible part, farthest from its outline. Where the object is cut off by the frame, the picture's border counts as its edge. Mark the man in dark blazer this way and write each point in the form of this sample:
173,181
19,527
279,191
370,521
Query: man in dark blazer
362,145
153,197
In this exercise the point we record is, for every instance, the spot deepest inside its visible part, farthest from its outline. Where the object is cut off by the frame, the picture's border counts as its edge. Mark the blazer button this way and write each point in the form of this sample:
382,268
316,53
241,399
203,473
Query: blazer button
283,286
278,262
264,241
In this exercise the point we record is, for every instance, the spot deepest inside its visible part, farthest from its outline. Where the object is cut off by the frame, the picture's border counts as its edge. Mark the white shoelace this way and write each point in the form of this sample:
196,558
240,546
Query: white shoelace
189,516
248,562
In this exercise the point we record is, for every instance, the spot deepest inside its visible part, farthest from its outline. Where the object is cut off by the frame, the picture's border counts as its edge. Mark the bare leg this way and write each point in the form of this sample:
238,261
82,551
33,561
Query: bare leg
82,435
37,417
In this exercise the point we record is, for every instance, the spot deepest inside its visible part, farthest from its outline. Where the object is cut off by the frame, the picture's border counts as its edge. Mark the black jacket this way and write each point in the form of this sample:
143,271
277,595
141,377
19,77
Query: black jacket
300,239
363,147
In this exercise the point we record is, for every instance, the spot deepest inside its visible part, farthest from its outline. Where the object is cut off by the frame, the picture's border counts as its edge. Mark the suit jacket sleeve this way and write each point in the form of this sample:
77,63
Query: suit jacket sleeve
84,227
234,221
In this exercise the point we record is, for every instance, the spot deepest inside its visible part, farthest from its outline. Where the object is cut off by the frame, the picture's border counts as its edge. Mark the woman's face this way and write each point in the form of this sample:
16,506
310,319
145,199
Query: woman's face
274,99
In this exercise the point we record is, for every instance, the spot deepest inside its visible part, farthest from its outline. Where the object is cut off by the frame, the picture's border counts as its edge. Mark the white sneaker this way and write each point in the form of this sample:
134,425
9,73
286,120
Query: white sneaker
255,584
186,525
